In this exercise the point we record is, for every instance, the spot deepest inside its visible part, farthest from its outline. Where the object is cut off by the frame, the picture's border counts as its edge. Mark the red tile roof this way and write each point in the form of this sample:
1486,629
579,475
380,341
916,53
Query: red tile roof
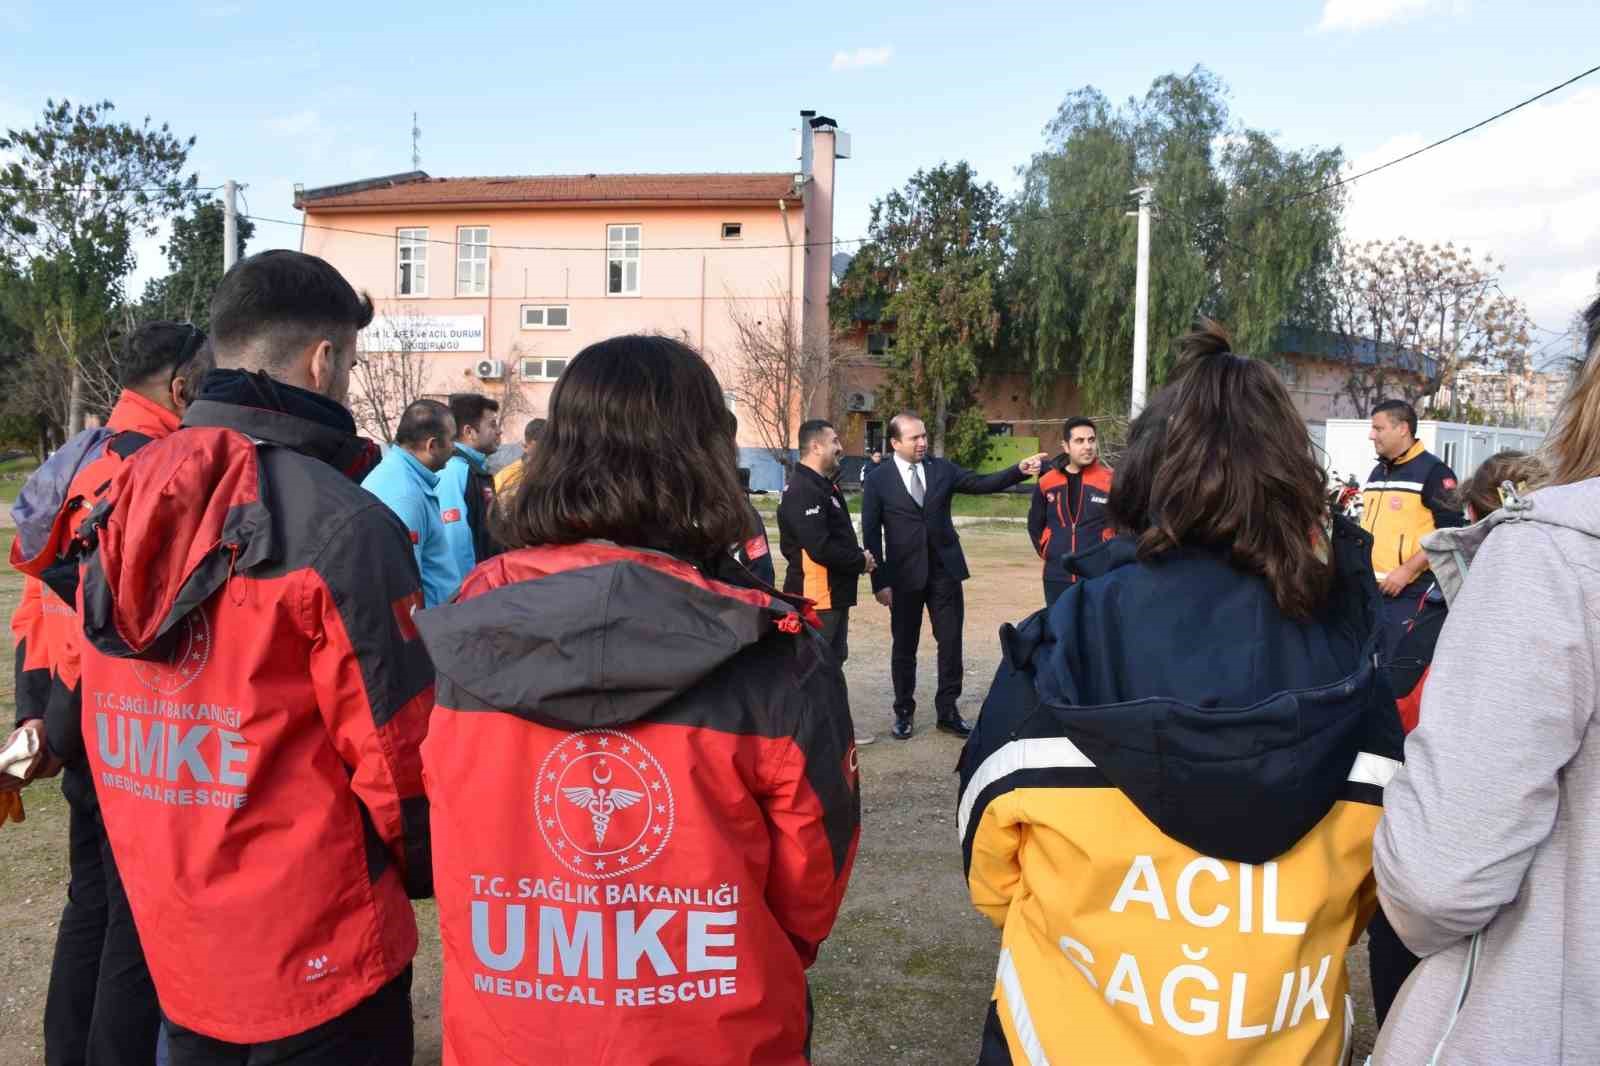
418,191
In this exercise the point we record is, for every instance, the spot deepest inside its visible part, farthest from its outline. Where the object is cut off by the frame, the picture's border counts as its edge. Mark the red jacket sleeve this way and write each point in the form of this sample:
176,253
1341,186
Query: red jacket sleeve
814,809
33,668
374,681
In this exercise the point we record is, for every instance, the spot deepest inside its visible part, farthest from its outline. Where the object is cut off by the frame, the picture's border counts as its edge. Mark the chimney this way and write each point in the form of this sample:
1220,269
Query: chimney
819,151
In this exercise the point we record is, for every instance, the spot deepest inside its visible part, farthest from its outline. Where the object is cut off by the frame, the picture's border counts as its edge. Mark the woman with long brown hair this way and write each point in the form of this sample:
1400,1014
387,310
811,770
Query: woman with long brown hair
1488,857
1168,803
643,780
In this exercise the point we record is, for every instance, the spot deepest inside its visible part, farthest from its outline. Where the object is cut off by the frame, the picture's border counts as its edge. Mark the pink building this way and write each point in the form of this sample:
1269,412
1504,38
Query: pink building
493,284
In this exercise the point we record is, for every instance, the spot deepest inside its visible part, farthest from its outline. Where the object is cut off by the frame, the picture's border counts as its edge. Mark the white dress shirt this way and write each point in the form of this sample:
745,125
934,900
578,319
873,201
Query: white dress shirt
905,469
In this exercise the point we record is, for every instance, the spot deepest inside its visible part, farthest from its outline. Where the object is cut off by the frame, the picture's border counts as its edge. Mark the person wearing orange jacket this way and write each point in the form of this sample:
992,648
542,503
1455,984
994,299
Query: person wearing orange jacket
1068,513
642,779
101,1006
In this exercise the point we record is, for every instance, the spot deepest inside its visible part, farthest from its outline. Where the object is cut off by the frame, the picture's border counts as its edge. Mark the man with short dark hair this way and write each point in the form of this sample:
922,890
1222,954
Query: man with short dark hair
1409,494
407,481
818,540
905,521
259,695
466,489
506,480
101,1006
1068,513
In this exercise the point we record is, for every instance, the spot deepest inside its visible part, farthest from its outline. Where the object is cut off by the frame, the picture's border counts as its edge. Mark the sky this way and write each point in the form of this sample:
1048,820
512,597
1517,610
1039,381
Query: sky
325,94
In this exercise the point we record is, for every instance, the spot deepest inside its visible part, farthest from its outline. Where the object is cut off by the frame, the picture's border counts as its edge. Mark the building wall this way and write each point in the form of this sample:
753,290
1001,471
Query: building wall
685,294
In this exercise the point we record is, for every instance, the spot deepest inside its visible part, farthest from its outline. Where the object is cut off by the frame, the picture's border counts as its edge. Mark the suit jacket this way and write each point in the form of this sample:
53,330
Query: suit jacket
901,534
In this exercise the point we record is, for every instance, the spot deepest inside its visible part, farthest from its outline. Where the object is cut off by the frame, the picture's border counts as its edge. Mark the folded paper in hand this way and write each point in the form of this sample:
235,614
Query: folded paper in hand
18,755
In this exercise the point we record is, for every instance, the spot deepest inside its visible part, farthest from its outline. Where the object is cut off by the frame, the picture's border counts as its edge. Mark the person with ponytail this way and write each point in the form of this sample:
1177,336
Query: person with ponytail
1168,803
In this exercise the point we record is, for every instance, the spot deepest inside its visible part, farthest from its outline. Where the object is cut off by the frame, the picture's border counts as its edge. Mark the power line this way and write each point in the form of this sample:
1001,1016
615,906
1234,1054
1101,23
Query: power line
1441,141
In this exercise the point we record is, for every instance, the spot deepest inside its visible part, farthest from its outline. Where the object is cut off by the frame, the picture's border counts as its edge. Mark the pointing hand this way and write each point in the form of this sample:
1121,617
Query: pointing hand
1033,464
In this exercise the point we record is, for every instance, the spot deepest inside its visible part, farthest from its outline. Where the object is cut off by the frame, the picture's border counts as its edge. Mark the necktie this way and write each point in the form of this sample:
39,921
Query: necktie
916,483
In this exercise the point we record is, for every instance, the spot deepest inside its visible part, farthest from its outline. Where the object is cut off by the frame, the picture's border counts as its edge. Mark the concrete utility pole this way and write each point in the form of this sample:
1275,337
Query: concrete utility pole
1141,302
230,224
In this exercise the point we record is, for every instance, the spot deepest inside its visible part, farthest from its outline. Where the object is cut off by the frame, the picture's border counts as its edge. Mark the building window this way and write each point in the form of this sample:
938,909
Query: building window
1449,455
542,369
1289,373
732,231
411,262
545,316
622,260
880,343
875,437
472,261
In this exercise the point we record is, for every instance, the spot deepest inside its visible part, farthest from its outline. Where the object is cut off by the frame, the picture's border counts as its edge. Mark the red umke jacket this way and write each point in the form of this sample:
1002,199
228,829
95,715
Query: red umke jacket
254,699
55,500
1063,521
645,810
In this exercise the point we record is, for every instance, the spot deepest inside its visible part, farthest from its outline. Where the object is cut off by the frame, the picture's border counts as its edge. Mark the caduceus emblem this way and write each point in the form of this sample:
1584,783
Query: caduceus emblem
600,801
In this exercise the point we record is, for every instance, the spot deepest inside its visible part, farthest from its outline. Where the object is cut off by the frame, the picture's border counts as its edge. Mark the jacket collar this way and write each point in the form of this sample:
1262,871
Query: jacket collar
410,462
1411,453
473,457
801,470
140,415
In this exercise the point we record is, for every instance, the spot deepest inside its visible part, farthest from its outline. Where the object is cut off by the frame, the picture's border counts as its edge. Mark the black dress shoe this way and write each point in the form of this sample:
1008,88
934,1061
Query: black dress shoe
902,729
955,725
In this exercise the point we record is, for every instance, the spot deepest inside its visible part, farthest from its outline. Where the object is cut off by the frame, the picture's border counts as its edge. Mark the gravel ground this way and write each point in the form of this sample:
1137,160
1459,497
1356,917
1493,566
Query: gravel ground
906,976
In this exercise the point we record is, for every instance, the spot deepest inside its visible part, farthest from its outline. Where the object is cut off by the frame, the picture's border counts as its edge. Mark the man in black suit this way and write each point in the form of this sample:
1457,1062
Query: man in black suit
905,523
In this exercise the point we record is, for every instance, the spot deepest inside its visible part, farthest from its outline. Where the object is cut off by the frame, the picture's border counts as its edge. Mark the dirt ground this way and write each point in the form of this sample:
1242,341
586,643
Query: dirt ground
906,976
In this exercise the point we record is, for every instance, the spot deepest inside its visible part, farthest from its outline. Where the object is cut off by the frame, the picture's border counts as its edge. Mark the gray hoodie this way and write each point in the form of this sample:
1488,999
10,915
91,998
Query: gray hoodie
1488,854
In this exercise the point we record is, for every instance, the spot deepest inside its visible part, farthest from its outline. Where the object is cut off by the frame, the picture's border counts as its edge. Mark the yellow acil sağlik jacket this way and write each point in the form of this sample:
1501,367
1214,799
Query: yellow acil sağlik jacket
1168,807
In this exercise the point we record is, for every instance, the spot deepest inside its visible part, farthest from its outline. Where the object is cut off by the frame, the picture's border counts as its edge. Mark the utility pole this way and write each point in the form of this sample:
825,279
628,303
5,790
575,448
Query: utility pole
416,143
1141,302
230,224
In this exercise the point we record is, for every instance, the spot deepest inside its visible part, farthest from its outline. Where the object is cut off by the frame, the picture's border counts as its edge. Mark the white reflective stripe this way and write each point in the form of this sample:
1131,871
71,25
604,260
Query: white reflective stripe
1381,486
1021,1020
1370,769
1039,754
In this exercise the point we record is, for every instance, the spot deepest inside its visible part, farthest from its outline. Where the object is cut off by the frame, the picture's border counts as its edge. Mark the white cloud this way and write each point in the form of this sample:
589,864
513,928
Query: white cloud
1365,14
307,123
1526,190
862,58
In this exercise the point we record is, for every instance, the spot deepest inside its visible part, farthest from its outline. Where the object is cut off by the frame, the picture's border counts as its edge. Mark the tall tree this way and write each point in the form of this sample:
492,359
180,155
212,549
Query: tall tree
934,263
194,260
774,376
78,190
1233,235
1407,318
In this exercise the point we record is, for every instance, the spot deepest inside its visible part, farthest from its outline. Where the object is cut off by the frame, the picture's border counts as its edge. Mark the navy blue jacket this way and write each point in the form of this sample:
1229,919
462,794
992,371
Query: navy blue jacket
901,535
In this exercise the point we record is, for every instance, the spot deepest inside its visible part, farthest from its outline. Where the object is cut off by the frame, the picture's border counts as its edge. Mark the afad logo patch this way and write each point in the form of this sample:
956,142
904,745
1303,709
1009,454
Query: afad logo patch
603,804
452,515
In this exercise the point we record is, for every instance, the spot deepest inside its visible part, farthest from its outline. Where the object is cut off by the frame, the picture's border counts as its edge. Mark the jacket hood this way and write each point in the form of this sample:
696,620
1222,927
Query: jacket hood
190,511
1241,782
591,635
474,459
1451,551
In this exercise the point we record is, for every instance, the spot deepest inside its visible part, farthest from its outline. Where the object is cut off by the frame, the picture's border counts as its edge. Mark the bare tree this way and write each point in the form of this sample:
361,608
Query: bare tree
1409,318
387,382
775,376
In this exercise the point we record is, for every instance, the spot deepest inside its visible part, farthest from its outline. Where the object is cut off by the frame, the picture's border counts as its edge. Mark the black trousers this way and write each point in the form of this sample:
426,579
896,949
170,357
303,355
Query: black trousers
836,632
1390,962
943,601
1053,591
375,1032
100,1009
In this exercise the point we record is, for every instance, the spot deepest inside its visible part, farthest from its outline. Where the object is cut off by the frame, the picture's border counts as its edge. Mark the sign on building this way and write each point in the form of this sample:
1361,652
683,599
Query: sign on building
423,333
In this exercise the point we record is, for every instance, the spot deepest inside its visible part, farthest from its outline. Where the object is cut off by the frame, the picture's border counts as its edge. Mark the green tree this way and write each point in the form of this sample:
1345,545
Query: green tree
1233,235
78,190
933,266
194,257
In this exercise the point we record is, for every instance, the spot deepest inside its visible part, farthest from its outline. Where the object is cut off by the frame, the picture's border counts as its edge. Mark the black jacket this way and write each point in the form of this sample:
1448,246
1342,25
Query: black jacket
816,538
480,505
900,535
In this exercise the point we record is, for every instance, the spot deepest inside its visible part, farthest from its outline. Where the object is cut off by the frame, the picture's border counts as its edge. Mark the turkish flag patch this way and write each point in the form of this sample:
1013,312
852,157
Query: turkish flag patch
756,547
416,538
452,515
403,609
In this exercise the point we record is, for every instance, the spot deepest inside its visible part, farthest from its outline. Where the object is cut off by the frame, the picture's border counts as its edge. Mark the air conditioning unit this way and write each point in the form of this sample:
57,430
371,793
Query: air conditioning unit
860,401
490,369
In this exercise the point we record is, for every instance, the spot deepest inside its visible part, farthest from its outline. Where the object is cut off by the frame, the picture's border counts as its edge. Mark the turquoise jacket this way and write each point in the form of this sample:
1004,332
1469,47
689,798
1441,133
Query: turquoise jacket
411,491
